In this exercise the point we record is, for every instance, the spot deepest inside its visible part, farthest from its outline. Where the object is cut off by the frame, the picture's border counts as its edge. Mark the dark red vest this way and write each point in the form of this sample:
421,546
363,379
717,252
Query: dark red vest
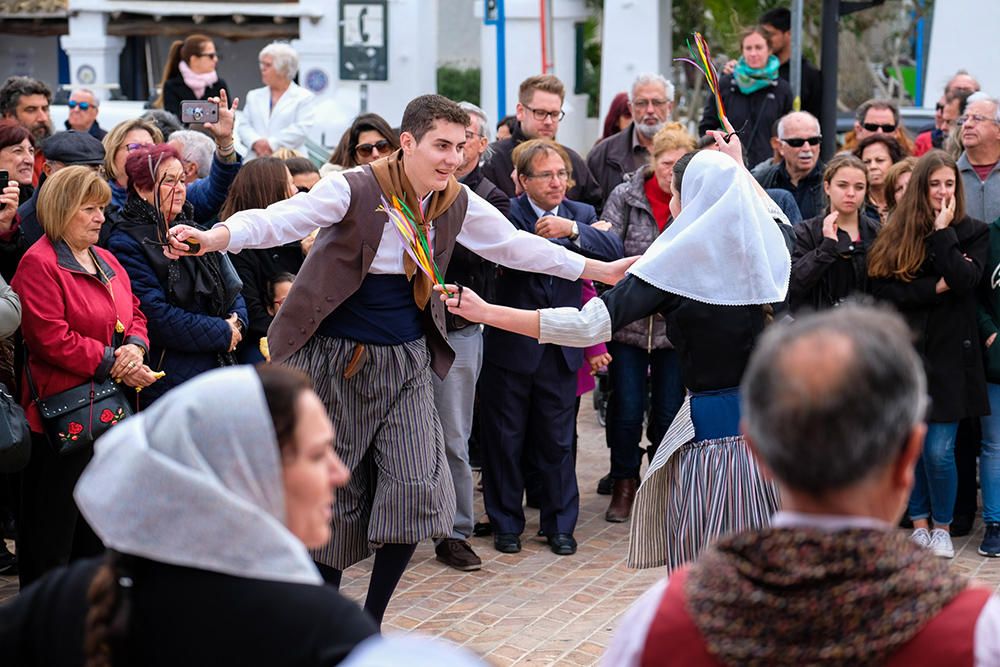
948,639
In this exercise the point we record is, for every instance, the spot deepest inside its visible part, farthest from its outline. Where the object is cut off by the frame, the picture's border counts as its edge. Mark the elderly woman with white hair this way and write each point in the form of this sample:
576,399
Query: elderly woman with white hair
279,114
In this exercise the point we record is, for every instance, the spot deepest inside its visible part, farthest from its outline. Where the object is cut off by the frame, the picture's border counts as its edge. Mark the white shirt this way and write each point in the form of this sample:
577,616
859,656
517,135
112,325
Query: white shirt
286,125
485,231
629,641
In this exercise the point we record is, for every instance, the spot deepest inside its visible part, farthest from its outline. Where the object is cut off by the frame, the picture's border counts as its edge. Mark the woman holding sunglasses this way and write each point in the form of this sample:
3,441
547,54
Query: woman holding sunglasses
368,139
828,262
754,96
189,74
195,311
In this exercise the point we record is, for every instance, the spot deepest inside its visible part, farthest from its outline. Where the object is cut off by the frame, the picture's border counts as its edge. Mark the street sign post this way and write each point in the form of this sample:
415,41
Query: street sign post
364,43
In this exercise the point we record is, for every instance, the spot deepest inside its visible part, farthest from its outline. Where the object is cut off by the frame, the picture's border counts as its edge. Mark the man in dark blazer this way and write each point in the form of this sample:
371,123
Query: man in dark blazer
528,390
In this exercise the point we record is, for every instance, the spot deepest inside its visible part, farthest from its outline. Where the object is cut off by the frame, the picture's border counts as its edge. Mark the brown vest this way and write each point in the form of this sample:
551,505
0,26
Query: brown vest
947,639
339,261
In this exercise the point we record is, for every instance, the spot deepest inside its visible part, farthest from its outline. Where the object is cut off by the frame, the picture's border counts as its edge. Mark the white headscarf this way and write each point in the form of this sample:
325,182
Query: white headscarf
725,247
195,480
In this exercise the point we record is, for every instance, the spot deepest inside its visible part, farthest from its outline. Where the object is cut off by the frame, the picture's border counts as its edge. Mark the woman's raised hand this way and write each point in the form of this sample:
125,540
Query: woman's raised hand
8,198
946,214
463,302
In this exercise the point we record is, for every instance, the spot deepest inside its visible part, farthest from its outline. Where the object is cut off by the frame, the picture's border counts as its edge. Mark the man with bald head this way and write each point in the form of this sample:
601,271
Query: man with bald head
833,409
800,171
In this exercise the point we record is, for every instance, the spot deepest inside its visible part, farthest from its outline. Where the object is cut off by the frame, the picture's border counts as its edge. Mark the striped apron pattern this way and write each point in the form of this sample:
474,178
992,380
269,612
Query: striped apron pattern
389,437
692,493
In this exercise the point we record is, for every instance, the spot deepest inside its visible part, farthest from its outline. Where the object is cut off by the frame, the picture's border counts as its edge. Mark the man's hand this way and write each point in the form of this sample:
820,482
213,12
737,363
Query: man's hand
223,130
553,227
9,197
186,240
601,226
262,148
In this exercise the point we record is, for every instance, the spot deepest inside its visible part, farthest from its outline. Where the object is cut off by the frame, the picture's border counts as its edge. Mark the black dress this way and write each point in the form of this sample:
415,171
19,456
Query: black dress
176,91
184,616
824,271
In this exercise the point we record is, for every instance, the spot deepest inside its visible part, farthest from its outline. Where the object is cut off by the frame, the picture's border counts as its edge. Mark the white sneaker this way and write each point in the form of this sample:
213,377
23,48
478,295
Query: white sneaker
941,544
921,537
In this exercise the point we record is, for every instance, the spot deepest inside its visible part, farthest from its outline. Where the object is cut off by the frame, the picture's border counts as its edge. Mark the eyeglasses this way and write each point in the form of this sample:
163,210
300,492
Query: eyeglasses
131,148
382,146
656,104
875,127
213,55
975,118
797,142
562,175
541,114
72,104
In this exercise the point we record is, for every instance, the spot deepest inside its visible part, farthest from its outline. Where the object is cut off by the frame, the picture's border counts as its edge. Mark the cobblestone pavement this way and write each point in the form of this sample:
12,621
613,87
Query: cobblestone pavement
536,608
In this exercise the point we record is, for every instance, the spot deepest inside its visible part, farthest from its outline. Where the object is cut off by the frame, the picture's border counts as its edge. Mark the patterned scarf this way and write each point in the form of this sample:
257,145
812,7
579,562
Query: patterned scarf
392,179
750,80
806,596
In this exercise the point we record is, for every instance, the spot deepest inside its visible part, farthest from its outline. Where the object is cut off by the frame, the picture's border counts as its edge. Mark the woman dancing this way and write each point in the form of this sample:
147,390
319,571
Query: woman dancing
713,275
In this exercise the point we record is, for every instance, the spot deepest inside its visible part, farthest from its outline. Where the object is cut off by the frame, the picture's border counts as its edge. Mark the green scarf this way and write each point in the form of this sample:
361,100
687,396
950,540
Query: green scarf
751,80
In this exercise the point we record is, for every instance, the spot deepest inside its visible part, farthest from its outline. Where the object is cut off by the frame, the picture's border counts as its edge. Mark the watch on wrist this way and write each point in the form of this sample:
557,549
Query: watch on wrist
574,232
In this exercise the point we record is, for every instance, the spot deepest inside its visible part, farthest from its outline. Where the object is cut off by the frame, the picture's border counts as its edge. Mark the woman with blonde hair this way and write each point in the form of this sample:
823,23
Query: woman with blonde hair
644,359
927,261
80,322
124,139
189,73
896,180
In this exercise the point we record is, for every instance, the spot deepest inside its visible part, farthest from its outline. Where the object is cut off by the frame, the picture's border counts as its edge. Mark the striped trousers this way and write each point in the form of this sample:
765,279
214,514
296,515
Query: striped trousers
389,437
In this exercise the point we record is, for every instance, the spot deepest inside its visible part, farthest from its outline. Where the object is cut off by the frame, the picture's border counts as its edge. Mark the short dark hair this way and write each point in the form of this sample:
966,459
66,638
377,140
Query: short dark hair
681,166
300,165
896,152
868,105
421,113
779,17
16,87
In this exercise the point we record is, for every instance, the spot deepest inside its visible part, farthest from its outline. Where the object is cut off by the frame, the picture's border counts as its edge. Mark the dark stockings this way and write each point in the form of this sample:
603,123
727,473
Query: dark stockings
390,563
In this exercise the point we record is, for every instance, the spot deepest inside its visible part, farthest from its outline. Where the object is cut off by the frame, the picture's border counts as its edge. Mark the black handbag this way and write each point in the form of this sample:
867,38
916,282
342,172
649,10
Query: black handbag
76,417
15,434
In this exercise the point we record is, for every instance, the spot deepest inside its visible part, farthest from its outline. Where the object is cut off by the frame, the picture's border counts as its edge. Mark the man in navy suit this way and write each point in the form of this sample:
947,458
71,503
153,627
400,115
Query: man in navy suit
528,390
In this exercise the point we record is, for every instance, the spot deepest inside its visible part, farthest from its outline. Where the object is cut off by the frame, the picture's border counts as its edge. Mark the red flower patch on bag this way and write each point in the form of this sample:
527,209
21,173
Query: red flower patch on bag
107,416
75,428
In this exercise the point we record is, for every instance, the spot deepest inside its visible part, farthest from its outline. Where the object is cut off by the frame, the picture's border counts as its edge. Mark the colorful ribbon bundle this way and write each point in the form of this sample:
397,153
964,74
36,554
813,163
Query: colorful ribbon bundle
413,237
701,57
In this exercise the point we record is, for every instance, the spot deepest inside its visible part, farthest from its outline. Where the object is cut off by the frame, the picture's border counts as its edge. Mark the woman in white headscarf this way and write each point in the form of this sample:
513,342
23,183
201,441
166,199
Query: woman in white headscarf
713,275
207,502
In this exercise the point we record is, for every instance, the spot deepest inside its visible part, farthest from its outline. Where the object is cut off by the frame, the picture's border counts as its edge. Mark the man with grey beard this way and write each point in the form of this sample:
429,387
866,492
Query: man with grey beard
800,170
651,101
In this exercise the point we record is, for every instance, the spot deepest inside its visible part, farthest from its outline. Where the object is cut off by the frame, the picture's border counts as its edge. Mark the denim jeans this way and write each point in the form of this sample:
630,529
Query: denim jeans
989,459
935,481
631,368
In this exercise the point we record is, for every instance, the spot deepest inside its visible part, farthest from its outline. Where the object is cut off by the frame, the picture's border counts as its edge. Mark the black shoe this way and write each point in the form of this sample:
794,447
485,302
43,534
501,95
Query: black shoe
604,485
906,523
991,541
961,524
8,561
507,543
562,544
482,529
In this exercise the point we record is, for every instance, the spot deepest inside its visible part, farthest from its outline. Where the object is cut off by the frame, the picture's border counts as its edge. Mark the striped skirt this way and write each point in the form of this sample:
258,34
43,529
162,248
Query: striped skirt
389,437
698,488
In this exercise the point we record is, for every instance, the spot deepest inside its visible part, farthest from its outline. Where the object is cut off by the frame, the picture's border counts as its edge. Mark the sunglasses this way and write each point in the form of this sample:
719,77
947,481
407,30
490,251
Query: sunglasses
365,150
213,55
72,104
875,127
800,142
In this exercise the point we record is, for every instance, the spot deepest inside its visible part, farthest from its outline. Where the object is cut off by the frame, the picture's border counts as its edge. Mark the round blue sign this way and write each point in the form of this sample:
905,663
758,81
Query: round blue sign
317,80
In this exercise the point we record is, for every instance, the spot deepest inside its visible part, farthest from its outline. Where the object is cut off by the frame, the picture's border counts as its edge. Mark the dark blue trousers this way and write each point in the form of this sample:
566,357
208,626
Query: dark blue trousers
529,415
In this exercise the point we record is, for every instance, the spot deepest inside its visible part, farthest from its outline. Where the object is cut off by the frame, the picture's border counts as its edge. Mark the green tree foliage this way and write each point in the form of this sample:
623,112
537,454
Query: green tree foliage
459,84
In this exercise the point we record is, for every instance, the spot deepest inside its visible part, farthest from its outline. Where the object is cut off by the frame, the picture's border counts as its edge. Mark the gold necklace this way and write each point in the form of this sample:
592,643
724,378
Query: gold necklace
119,327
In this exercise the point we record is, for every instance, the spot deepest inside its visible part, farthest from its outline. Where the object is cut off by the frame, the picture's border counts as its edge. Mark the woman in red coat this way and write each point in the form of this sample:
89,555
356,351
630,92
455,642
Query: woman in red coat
75,297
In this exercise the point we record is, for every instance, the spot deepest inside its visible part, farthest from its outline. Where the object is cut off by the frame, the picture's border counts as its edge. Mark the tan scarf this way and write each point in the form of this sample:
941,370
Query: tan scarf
392,179
804,596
